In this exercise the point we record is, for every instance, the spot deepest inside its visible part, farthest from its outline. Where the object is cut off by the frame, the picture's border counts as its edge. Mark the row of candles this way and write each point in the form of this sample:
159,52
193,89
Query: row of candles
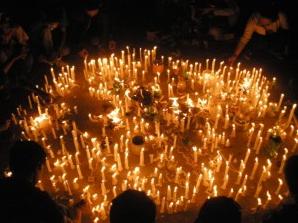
176,177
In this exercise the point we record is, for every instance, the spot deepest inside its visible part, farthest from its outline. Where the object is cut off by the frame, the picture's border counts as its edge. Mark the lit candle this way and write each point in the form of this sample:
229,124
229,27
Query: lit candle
48,165
119,163
226,124
268,199
280,170
162,208
280,183
195,150
280,101
126,160
246,156
142,157
259,145
107,144
79,172
254,169
169,193
186,190
226,179
291,114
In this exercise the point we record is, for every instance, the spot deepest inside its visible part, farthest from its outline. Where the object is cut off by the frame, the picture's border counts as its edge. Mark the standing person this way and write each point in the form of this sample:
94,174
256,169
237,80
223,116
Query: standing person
287,212
21,200
267,23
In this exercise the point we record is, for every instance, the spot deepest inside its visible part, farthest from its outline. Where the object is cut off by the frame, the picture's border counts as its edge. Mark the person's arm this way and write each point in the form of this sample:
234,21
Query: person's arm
11,62
247,34
244,40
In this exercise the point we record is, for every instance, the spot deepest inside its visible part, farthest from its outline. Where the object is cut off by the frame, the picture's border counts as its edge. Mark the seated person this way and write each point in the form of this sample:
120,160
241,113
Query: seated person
134,207
21,200
223,208
86,26
15,61
48,38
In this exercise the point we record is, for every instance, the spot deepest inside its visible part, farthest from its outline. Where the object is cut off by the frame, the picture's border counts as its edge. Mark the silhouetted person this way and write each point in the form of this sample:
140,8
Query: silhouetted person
20,200
134,207
288,212
48,37
219,209
267,27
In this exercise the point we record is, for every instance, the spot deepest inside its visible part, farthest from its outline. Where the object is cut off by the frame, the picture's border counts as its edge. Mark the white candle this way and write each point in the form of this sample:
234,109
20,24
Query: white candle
103,188
195,150
254,169
169,193
216,121
48,165
268,199
280,183
162,208
291,114
175,194
251,131
246,156
233,134
186,190
126,160
259,145
226,124
284,157
280,101
258,190
199,180
178,172
119,163
115,191
226,179
79,172
142,157
107,144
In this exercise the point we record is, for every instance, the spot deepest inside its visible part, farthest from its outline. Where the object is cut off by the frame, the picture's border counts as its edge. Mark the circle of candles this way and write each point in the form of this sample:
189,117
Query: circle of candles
214,136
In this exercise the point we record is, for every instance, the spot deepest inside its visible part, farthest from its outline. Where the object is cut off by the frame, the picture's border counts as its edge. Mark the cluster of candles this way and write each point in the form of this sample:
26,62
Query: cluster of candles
209,134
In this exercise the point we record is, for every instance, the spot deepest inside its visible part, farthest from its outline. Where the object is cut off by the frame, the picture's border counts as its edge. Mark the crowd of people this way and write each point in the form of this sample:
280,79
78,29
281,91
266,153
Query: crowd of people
22,201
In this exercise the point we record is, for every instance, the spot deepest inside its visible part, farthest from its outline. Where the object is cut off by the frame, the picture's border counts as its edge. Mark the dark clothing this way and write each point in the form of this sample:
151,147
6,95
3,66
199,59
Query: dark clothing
287,213
22,202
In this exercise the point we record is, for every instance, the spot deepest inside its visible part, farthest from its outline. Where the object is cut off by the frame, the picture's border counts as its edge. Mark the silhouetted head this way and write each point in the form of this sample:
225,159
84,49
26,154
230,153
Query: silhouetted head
268,11
291,175
219,209
134,207
26,159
